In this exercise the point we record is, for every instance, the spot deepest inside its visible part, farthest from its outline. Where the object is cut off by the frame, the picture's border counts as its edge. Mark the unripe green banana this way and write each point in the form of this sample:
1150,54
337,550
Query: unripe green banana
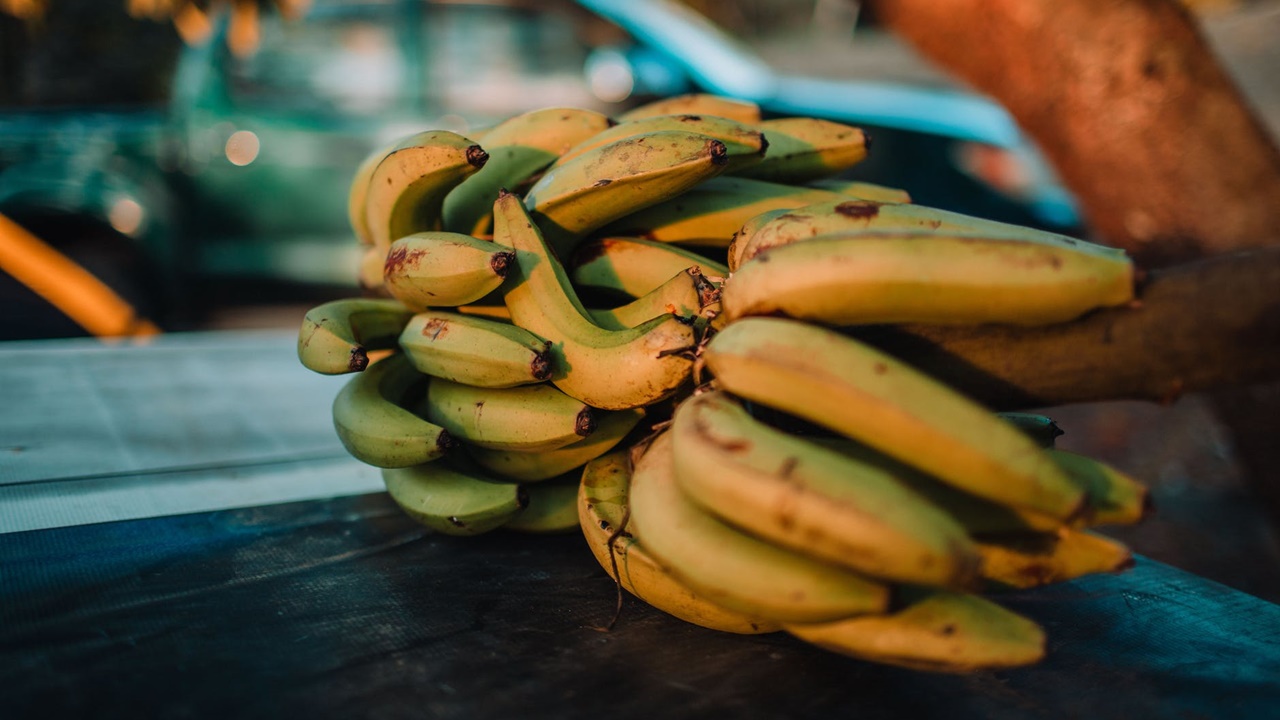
552,508
687,293
862,190
608,369
939,631
635,267
528,418
444,269
846,386
926,278
519,148
1038,427
603,502
372,418
532,467
734,569
787,490
806,148
1028,560
475,351
744,143
1114,497
336,336
451,499
743,111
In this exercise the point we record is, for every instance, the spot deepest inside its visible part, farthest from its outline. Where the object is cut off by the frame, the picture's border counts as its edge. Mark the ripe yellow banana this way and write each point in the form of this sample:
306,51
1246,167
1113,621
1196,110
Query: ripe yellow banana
451,499
1114,497
336,336
806,148
608,369
528,418
1028,560
730,567
834,381
359,193
552,508
744,143
532,467
939,631
787,490
687,293
635,267
862,190
519,148
696,104
603,502
926,278
372,417
475,351
443,269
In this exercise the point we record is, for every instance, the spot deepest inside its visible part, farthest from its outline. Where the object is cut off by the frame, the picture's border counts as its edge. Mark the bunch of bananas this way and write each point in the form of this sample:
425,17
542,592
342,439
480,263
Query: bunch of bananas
548,304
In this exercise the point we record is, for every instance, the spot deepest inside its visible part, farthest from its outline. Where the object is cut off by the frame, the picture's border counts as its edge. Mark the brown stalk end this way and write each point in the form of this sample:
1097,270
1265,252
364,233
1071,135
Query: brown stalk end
541,364
719,153
501,263
358,361
585,424
476,156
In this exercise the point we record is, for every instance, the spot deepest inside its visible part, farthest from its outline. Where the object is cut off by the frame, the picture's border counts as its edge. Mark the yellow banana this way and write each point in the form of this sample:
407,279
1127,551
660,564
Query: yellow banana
532,467
744,143
372,419
603,502
493,312
696,104
1114,497
359,193
834,381
336,336
862,190
1028,560
475,351
437,268
806,148
939,631
552,508
787,490
926,278
451,499
635,267
518,148
529,418
734,569
687,293
608,369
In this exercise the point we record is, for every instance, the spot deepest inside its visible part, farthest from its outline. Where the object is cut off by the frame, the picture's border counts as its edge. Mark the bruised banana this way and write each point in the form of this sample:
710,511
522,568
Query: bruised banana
805,148
519,148
744,144
784,489
608,369
862,190
374,424
926,278
528,418
452,500
939,631
533,467
839,383
552,507
1028,560
448,269
734,569
635,267
743,111
603,501
687,293
475,351
336,336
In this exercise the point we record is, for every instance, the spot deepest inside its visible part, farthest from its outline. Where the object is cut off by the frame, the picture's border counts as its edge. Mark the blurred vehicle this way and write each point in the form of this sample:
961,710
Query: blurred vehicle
235,192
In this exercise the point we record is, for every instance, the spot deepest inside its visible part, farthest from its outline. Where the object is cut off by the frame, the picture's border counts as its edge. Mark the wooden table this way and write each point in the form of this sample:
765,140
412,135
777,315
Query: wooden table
182,536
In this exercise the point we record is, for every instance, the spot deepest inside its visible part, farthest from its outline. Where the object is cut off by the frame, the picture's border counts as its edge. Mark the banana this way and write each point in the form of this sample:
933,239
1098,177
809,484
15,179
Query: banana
603,503
635,267
437,268
839,383
784,489
926,278
518,148
744,143
358,194
1038,427
1028,560
734,569
620,178
710,213
939,631
369,271
1114,497
475,351
451,499
862,190
532,467
492,312
336,336
805,148
407,189
552,508
743,111
687,293
608,369
372,419
529,418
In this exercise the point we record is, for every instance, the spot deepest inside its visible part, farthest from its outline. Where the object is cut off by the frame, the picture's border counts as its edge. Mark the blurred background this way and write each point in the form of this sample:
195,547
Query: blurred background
195,158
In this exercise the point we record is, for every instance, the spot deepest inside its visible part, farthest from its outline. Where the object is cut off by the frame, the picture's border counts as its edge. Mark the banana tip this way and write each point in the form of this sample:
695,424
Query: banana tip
476,156
359,360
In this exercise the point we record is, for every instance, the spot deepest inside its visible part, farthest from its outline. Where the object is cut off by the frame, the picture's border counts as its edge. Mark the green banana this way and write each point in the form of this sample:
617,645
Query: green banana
687,293
731,568
608,369
475,351
552,508
839,383
1038,427
451,499
1114,497
532,467
519,148
926,278
374,423
744,143
743,111
1028,560
635,267
437,268
603,502
336,336
862,190
787,490
806,148
528,418
939,631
